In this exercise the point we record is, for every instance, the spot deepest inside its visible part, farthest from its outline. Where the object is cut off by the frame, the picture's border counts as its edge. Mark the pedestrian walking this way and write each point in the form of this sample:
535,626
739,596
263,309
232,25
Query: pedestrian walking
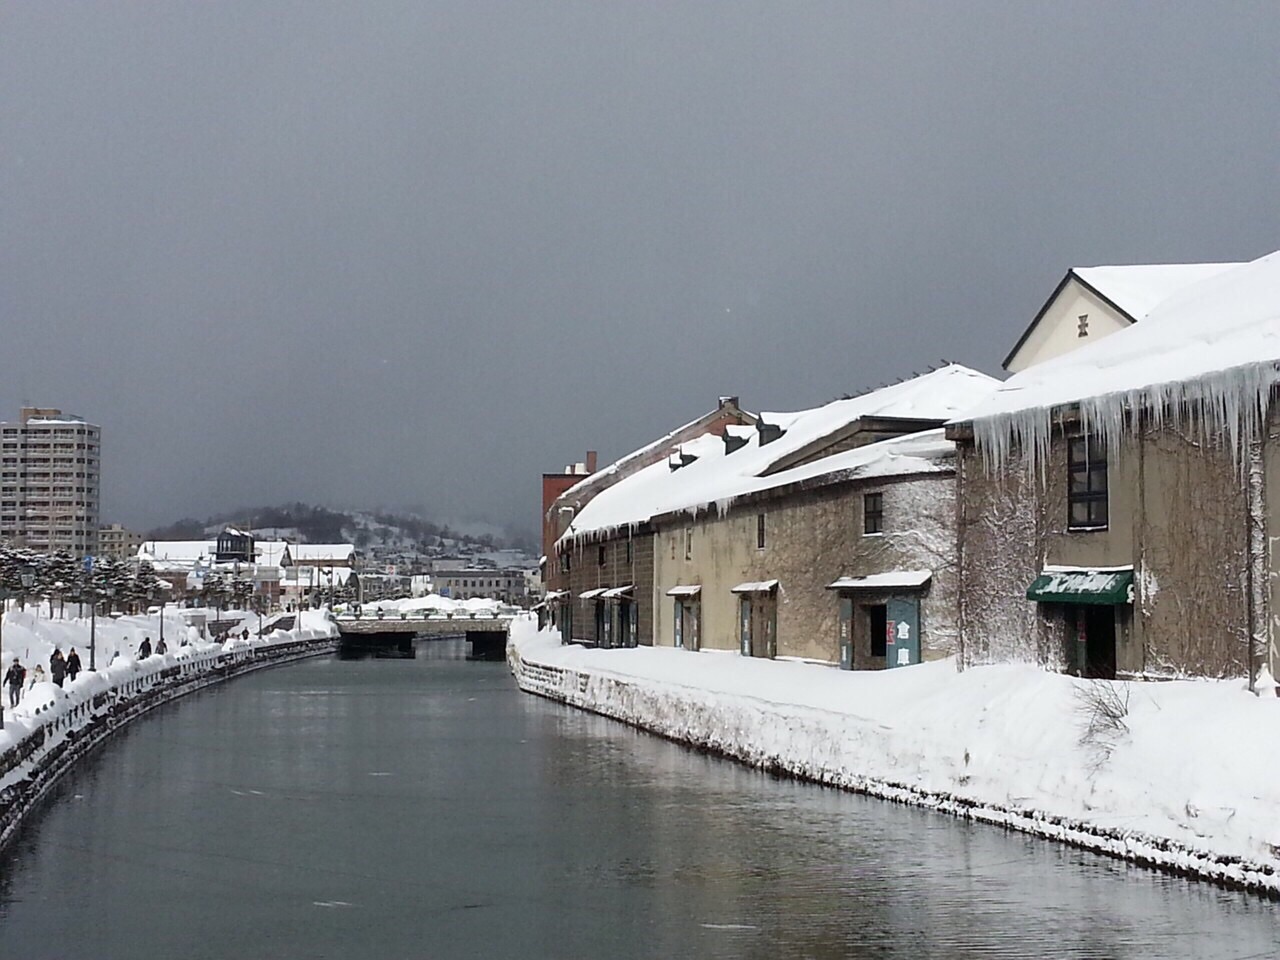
37,676
73,664
57,666
144,648
161,647
13,678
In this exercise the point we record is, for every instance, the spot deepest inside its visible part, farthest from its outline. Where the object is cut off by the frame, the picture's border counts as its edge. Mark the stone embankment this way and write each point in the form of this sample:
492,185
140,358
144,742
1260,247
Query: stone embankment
846,748
71,724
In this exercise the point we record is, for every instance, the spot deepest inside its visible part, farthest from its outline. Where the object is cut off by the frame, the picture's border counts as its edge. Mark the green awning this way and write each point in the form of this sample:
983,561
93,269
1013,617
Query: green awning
1082,586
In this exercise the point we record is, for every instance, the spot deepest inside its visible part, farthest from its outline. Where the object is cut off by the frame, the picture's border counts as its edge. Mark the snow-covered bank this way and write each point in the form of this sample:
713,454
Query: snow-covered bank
54,726
1182,783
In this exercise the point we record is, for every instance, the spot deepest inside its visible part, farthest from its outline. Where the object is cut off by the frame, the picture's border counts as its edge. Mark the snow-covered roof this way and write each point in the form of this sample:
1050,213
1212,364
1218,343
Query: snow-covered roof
685,590
1138,288
755,586
320,552
715,476
592,594
185,551
1213,348
1135,289
664,442
895,579
617,593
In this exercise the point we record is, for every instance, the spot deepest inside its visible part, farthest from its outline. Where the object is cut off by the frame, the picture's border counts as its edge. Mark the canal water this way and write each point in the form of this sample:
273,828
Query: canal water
426,808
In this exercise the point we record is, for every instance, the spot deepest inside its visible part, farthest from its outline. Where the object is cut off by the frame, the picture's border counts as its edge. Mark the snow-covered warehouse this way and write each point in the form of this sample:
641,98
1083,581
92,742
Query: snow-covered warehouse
1117,502
826,534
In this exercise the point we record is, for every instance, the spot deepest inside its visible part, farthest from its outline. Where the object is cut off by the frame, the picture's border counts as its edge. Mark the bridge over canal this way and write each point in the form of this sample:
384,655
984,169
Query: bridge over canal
394,635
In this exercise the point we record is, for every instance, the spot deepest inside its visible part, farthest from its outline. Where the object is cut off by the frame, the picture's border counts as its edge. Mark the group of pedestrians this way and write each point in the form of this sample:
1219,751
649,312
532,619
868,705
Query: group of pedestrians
144,648
61,669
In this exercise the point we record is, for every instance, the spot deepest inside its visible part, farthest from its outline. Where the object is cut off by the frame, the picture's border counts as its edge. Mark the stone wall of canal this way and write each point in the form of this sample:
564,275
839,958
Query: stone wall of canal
731,729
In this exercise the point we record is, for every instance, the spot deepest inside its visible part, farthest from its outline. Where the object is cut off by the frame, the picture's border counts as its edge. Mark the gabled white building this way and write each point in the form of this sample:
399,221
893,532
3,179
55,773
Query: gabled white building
1090,303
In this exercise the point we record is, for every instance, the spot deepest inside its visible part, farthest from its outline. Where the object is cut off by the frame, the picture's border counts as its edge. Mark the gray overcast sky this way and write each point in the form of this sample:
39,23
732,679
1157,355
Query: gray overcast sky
410,252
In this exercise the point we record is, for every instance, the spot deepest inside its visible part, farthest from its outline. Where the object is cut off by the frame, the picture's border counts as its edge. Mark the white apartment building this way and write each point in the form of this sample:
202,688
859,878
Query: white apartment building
49,482
118,543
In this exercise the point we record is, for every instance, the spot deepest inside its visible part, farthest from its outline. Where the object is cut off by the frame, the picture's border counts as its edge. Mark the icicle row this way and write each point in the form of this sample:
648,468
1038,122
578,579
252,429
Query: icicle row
1233,402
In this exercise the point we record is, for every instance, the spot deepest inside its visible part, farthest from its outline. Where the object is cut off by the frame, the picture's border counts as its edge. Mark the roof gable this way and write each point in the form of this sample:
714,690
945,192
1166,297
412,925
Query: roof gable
1129,291
1212,349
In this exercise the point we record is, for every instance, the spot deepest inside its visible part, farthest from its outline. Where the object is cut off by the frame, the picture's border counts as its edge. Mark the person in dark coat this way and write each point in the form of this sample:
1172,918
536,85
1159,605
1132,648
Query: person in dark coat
144,648
73,664
57,666
13,678
161,647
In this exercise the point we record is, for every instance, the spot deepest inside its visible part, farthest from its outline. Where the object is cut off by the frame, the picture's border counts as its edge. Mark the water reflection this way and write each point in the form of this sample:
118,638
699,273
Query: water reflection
426,808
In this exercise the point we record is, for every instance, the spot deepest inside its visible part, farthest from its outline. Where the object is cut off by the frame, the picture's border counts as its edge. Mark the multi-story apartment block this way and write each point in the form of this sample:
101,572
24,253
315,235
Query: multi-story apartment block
118,543
49,482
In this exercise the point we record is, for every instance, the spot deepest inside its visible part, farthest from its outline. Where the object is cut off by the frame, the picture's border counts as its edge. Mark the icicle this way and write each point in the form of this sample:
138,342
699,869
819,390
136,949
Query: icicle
1233,403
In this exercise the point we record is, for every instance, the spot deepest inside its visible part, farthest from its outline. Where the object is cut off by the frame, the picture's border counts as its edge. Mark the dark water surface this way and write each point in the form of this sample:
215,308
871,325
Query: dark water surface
426,808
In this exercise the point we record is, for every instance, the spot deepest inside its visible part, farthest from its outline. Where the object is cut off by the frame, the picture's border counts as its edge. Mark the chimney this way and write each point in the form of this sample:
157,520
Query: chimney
769,432
591,462
679,459
728,403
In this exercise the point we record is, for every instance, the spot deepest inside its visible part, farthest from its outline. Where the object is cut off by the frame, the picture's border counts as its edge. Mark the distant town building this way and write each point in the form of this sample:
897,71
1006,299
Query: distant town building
118,543
509,586
49,482
234,546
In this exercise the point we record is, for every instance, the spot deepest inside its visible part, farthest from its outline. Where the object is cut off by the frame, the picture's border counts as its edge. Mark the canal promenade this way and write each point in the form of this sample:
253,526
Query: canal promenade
52,727
1174,775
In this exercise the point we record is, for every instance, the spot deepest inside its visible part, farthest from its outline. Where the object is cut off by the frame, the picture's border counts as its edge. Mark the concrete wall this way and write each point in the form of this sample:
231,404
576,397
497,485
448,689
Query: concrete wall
812,538
1177,509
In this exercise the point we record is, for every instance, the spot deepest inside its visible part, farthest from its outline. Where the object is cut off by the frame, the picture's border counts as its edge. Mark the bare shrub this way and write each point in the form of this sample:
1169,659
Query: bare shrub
1103,707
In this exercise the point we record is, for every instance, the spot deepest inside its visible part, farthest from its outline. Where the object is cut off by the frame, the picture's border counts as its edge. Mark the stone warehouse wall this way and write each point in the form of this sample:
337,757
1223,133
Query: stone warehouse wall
812,538
1177,513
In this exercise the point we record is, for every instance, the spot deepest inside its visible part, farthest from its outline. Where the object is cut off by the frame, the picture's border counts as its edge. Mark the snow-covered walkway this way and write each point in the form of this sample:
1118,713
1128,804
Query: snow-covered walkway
1186,780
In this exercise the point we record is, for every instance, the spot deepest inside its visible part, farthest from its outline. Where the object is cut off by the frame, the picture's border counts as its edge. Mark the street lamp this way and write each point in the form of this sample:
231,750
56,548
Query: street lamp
4,602
28,577
151,595
92,594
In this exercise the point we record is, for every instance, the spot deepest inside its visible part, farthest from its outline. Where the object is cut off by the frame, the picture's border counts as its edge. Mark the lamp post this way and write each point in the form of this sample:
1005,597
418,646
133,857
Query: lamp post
92,594
4,602
28,577
151,595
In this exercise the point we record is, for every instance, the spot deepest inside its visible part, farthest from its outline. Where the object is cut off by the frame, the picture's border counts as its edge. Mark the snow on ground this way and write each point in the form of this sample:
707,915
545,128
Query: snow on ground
32,638
1190,768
